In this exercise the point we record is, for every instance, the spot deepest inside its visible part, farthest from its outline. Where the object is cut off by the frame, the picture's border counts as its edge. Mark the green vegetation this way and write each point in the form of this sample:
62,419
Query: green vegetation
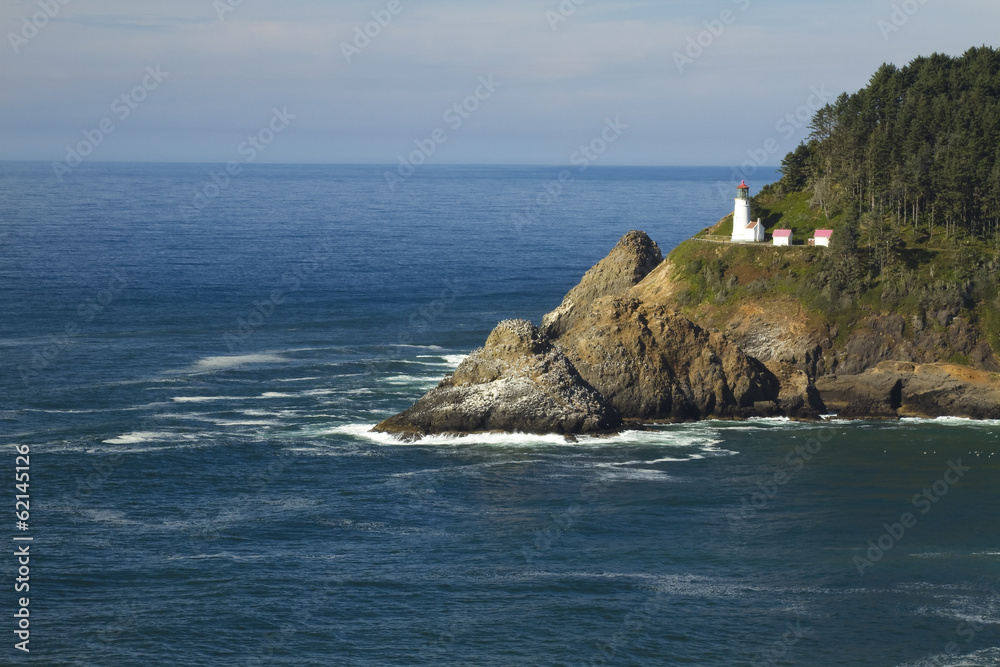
907,173
919,146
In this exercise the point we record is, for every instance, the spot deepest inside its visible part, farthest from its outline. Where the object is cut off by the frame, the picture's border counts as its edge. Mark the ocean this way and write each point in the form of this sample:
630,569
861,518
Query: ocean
191,365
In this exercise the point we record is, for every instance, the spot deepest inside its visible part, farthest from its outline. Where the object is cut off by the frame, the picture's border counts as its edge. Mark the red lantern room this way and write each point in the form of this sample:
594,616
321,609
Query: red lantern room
743,191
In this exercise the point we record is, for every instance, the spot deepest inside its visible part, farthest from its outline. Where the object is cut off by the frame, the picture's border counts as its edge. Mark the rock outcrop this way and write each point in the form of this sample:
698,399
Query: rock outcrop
652,363
881,338
517,382
900,389
629,262
603,356
798,396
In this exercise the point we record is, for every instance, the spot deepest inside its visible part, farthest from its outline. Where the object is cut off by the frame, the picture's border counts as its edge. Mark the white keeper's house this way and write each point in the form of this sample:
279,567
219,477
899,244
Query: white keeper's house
745,230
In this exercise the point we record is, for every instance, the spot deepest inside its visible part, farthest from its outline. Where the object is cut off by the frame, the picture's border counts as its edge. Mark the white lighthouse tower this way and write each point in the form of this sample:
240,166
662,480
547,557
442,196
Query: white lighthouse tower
745,230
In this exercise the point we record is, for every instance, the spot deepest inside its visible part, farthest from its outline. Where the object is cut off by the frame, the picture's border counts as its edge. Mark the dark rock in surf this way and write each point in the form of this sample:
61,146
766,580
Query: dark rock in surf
517,382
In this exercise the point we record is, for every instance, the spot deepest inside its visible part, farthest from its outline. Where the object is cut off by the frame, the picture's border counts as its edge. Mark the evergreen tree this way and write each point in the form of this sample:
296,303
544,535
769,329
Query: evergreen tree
918,145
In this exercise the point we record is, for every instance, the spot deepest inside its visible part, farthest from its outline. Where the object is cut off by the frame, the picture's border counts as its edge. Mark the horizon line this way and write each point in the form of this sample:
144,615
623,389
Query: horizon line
394,165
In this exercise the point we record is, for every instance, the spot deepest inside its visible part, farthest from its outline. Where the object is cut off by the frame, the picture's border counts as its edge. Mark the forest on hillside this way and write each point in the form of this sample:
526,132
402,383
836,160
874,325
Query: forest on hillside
919,147
906,171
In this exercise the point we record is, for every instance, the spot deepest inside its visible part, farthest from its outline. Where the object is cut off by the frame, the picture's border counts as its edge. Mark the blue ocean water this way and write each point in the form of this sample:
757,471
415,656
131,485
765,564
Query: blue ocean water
195,379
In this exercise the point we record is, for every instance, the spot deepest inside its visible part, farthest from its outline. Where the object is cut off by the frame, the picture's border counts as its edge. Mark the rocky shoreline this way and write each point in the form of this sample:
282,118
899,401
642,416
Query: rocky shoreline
607,357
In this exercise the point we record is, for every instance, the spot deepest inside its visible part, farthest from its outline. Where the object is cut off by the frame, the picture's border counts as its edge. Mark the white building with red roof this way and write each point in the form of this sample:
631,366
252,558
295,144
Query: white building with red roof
782,237
821,237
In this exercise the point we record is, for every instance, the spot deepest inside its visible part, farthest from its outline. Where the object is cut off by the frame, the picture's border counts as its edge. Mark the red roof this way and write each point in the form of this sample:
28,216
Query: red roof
752,224
743,186
782,232
824,233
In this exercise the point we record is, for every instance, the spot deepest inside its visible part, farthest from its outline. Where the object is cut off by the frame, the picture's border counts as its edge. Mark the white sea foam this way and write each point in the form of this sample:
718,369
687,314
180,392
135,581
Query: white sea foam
318,392
447,359
951,421
989,657
617,472
299,379
690,438
245,422
364,432
206,399
666,459
138,436
276,394
149,448
412,379
68,412
273,413
209,364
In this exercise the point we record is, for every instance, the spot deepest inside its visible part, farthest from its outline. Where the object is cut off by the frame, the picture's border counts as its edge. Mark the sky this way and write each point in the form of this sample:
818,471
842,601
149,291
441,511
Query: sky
636,82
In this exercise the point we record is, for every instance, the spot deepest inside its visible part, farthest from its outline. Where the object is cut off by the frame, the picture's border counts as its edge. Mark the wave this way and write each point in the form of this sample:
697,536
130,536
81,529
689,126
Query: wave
989,657
446,359
364,432
139,436
272,413
219,363
618,472
319,392
206,399
411,379
244,422
702,439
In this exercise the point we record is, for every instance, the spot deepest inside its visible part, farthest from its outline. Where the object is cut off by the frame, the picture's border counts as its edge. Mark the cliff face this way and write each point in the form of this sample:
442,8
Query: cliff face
517,382
602,356
891,337
718,330
753,294
866,360
651,363
899,389
629,261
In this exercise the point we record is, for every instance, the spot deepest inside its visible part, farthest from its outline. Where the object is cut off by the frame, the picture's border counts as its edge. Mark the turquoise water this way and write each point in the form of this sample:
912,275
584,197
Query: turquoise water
196,394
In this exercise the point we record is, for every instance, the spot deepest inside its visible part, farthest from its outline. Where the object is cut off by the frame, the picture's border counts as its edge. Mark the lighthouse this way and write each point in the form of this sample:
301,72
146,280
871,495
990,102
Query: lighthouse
745,230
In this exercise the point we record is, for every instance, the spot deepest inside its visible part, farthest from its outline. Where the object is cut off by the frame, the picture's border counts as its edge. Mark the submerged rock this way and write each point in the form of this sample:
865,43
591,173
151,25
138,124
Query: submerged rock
517,382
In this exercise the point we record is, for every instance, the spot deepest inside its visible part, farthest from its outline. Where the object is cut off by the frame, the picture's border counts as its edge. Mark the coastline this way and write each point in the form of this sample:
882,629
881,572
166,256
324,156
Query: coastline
627,358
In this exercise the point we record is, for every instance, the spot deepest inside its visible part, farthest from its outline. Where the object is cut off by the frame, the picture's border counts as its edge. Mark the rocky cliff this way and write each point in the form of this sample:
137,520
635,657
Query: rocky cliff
518,381
895,389
629,262
764,299
652,363
604,355
717,330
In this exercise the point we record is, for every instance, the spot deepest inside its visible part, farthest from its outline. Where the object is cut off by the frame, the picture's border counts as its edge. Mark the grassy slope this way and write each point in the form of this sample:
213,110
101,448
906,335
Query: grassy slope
932,273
